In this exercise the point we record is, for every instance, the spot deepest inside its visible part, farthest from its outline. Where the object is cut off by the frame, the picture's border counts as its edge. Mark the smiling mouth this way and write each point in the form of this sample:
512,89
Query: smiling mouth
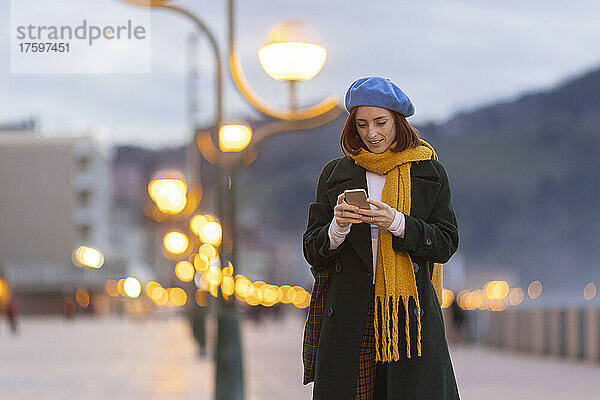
376,142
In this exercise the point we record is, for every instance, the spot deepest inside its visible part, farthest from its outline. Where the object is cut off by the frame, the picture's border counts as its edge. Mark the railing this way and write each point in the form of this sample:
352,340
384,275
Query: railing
56,276
571,333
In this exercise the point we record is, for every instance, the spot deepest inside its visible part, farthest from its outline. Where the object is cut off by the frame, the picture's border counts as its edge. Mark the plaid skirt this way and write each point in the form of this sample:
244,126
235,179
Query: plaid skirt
365,386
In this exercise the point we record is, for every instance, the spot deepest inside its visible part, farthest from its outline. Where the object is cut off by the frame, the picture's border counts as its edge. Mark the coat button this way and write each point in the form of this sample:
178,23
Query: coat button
428,241
338,267
330,311
415,311
415,267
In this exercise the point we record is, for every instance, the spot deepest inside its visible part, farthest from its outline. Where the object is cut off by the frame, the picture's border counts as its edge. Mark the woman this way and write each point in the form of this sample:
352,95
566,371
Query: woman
378,270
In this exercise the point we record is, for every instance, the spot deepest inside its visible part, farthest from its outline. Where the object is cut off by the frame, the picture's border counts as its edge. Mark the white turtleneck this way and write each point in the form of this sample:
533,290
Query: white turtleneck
337,235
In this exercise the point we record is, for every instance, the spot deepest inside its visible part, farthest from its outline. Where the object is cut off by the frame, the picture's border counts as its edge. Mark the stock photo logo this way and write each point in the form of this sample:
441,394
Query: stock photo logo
32,34
86,37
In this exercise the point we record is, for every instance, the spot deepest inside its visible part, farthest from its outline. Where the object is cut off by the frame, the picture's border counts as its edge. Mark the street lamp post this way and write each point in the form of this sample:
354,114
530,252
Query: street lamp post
292,53
229,372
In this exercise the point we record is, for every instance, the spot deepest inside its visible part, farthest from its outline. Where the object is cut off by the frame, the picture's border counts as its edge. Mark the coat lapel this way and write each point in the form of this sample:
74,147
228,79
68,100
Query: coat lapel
348,175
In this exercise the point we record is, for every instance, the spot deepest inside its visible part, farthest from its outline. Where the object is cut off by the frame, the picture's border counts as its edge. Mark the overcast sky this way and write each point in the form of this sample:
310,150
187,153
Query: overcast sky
447,56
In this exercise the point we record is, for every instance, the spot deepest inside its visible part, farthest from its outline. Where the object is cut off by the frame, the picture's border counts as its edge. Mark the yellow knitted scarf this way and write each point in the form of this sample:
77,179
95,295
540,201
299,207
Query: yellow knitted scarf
395,277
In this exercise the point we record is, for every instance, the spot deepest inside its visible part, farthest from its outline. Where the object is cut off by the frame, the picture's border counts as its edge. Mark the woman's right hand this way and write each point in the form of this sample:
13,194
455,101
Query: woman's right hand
345,214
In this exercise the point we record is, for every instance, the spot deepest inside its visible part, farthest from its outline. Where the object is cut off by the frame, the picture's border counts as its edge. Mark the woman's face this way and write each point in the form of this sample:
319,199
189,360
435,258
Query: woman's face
376,127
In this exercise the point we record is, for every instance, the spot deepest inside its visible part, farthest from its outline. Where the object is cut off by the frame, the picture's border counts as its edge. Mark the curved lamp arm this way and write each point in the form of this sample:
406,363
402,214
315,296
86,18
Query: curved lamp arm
275,129
237,74
213,44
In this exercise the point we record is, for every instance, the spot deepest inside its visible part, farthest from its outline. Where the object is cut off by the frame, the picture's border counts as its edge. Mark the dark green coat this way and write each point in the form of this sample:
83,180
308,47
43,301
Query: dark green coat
431,235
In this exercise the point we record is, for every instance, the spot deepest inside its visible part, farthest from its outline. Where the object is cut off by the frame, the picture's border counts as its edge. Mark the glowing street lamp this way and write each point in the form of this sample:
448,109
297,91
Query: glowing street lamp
292,52
234,137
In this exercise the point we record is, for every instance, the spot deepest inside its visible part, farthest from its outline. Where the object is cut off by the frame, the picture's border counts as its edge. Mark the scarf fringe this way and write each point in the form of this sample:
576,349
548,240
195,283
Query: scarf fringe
389,350
395,279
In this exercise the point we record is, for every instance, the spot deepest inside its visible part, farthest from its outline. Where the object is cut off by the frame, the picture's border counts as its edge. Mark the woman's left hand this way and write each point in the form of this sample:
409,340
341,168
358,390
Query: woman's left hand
383,215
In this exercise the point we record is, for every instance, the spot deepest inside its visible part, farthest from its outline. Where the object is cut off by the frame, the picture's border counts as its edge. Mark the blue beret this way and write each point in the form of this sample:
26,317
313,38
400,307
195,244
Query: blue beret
378,92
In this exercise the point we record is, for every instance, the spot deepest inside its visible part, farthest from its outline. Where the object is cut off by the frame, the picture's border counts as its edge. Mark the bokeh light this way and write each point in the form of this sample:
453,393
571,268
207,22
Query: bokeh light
447,297
214,276
132,287
197,224
285,294
534,290
208,250
516,296
150,286
168,194
234,137
5,292
185,271
228,285
82,298
177,296
301,298
176,242
496,289
159,296
85,256
111,288
121,287
589,291
201,262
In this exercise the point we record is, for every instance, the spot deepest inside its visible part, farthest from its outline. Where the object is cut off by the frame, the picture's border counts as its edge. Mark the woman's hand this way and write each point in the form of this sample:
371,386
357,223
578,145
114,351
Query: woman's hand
345,213
383,215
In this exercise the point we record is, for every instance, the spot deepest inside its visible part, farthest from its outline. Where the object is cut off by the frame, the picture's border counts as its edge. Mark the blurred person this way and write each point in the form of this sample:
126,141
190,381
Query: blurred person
92,308
386,256
69,307
12,314
198,322
2,312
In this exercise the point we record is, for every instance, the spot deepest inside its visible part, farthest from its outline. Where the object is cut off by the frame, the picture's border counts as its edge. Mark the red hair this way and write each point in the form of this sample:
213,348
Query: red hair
406,135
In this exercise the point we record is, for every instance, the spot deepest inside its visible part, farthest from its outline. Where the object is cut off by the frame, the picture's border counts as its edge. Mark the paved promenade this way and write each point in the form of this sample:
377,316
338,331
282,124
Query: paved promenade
117,358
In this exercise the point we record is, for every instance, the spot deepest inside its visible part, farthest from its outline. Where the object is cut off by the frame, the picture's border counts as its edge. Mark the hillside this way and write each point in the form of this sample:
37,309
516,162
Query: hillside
523,173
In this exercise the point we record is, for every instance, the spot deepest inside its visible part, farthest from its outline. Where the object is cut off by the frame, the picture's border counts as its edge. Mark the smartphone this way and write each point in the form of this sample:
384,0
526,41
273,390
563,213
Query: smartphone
357,197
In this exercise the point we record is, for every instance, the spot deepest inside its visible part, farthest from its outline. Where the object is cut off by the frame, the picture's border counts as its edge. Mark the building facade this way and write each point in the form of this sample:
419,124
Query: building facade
54,197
